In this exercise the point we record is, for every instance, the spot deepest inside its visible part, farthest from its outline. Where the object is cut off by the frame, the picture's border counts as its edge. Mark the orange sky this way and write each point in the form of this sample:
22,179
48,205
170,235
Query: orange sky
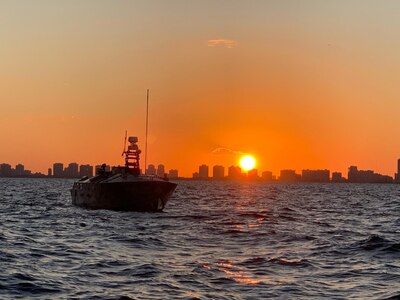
299,84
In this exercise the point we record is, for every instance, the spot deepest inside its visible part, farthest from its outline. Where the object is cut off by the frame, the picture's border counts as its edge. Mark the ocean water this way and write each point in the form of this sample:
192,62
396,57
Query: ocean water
214,240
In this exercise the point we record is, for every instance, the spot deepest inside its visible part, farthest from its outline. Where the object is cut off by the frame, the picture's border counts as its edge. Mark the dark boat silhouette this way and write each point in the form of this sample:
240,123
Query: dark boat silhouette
124,188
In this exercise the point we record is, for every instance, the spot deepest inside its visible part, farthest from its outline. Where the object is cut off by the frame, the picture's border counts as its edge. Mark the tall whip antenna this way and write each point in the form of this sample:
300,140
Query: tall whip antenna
147,128
126,135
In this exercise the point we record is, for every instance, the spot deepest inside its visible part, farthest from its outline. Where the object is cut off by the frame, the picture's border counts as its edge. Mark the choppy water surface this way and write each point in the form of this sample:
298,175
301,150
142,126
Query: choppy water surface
215,240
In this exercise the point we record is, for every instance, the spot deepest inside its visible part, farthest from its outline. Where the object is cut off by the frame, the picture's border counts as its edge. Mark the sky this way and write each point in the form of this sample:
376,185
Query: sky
298,84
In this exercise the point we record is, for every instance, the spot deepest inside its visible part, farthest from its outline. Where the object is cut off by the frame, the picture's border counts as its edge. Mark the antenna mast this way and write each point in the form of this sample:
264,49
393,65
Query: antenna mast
147,127
126,135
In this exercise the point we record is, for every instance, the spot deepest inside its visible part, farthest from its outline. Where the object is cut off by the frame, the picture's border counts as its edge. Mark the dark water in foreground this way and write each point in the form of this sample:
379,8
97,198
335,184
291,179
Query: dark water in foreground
213,241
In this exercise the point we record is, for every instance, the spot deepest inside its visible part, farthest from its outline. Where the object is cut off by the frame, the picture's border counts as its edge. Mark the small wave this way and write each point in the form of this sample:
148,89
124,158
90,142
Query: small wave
7,256
290,263
32,288
233,231
393,248
124,298
20,276
146,271
393,297
197,217
299,238
288,209
128,240
254,261
253,214
375,242
222,280
232,223
52,196
287,217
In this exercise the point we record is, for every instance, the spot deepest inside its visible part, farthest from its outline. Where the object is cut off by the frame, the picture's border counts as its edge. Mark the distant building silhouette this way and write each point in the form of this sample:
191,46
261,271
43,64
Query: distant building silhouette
98,167
72,171
234,172
315,175
195,175
151,170
85,170
252,174
397,175
337,177
289,176
267,176
368,176
160,171
352,174
58,170
6,170
49,172
173,174
203,172
218,172
19,170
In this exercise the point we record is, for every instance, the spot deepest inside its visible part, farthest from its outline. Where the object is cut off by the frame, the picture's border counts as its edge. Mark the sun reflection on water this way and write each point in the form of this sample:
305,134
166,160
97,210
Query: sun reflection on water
235,274
240,276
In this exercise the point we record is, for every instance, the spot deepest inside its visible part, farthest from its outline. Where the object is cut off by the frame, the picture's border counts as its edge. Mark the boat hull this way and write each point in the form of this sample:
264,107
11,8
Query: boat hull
149,196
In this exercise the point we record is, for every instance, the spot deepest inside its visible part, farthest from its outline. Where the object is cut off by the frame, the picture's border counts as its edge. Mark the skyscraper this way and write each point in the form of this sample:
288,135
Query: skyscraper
252,174
218,172
72,171
367,176
85,170
337,177
19,170
203,172
160,171
151,170
398,166
315,175
173,174
266,175
397,175
234,172
352,174
289,176
58,170
5,170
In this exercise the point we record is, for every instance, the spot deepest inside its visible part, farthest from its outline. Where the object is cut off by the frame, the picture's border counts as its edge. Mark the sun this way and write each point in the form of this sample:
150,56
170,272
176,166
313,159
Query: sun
247,162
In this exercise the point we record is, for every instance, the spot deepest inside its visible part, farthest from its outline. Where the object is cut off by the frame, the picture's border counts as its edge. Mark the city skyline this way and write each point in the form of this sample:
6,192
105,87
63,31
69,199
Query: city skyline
233,159
74,170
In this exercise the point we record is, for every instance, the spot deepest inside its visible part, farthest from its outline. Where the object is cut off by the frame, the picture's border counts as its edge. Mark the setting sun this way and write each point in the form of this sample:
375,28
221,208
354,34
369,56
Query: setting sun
247,162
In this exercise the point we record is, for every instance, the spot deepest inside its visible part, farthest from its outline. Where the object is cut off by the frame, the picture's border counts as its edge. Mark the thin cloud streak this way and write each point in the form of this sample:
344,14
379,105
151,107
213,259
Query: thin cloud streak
222,43
226,151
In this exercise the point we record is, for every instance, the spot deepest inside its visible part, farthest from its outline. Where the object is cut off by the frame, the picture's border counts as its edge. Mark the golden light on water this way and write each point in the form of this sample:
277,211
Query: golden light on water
247,162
